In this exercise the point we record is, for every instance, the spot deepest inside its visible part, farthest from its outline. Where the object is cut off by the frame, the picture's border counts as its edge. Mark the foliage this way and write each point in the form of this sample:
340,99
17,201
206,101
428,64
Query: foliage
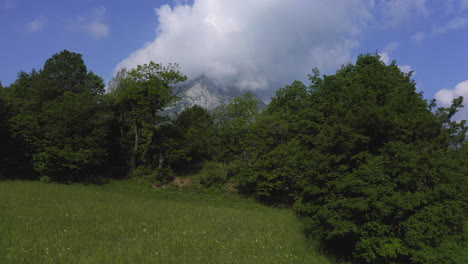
153,175
379,182
234,131
212,174
276,154
362,156
5,137
61,118
139,95
194,127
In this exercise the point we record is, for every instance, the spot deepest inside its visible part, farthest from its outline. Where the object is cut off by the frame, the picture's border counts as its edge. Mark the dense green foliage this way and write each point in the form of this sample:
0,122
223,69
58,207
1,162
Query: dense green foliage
60,118
379,174
360,154
139,95
125,222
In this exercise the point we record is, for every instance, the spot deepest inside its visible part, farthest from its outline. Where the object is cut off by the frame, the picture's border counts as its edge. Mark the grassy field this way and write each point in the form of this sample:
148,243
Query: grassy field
125,222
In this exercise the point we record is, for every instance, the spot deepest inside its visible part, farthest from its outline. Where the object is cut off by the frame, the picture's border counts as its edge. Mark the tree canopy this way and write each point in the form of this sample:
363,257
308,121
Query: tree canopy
363,157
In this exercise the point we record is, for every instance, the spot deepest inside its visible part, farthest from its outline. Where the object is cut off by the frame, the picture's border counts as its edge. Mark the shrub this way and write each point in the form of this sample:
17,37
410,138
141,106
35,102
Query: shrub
213,174
147,173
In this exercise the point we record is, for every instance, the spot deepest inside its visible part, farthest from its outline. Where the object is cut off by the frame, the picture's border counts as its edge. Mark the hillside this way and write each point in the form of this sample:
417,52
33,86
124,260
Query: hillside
125,222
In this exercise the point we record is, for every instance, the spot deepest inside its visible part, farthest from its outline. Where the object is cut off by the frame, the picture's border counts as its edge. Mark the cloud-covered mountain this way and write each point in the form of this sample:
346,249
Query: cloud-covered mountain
206,93
260,45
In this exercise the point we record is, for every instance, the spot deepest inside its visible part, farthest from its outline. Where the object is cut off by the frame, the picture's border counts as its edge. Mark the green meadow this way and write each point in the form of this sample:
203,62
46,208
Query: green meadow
128,222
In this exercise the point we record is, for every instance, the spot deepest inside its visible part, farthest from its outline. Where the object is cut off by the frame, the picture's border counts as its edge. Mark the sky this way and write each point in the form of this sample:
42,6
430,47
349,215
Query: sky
257,44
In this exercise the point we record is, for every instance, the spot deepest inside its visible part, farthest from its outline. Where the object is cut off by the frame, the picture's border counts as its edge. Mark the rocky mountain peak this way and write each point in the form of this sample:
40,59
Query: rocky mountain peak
204,92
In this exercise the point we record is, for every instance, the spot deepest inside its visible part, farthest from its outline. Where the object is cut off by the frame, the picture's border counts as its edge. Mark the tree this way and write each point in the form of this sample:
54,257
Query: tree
8,150
276,151
141,94
62,118
233,129
66,71
376,172
194,127
378,184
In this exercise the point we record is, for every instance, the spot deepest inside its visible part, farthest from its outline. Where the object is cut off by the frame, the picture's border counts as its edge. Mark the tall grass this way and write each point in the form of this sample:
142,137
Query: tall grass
124,222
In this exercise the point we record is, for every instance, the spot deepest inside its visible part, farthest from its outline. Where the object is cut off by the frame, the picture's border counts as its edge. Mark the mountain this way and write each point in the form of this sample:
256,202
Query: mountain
206,93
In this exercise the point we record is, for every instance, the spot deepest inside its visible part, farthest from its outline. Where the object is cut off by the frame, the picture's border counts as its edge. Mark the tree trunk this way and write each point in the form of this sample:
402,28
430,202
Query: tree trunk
133,159
161,159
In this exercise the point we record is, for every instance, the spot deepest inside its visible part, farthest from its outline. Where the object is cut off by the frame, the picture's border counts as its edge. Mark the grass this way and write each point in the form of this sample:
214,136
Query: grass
126,222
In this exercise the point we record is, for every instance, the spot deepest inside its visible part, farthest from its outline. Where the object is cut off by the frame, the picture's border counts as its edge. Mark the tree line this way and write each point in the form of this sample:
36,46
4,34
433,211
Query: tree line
378,173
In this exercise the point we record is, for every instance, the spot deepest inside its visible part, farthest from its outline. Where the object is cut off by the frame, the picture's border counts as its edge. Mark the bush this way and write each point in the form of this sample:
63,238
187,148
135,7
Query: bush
46,179
160,176
213,174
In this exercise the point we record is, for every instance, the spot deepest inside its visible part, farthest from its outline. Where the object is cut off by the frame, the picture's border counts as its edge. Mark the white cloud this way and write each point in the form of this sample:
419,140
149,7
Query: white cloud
92,24
385,54
446,96
385,58
406,69
392,47
180,2
98,29
260,44
418,37
398,12
454,24
37,24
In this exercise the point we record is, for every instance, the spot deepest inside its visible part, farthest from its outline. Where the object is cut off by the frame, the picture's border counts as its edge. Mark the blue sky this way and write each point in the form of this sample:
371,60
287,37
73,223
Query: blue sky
261,44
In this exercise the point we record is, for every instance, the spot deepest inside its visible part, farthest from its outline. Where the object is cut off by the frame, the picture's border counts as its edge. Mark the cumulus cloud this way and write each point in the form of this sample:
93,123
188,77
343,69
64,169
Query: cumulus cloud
398,12
446,96
385,54
37,24
386,58
92,24
418,37
406,69
180,2
454,24
258,44
98,29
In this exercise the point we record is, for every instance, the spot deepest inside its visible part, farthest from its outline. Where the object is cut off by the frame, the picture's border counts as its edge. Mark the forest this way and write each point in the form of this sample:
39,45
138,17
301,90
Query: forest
378,173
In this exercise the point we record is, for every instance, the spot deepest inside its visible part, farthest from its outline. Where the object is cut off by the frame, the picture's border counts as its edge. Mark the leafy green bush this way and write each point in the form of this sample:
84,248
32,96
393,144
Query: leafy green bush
163,176
147,173
45,179
213,174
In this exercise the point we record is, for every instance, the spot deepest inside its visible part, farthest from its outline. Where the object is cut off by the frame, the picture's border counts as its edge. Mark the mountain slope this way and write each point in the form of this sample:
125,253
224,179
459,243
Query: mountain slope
206,93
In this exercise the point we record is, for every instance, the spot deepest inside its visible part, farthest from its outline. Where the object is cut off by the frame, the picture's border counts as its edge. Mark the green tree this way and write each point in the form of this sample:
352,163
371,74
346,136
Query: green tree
378,184
7,149
378,173
194,127
141,94
276,151
62,118
233,130
179,145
